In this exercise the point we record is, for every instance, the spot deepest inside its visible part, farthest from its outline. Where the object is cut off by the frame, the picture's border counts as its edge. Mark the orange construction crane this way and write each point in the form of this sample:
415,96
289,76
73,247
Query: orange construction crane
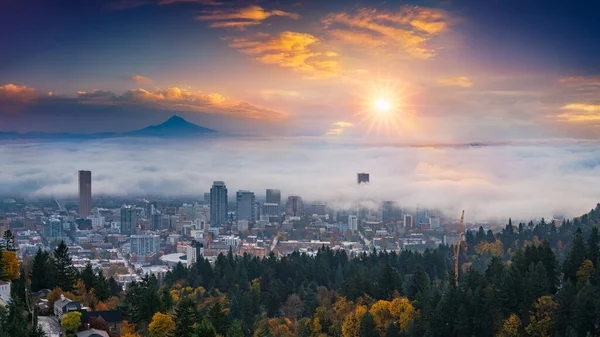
457,246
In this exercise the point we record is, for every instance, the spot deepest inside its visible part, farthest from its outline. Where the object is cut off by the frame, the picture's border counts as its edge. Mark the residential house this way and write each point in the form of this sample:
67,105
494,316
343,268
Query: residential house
113,318
92,333
65,305
4,293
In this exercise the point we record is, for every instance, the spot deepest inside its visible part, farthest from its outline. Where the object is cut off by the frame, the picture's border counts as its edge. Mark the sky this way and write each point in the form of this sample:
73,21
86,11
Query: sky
448,71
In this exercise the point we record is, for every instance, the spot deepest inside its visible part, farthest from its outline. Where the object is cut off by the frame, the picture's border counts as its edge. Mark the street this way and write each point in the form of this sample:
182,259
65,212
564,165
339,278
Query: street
50,325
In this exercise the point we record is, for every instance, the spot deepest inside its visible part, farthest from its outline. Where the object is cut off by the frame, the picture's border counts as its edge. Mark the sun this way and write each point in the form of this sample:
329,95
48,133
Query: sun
384,108
382,105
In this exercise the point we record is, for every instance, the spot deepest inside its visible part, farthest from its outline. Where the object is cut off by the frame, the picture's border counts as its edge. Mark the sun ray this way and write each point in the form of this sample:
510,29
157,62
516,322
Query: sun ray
385,110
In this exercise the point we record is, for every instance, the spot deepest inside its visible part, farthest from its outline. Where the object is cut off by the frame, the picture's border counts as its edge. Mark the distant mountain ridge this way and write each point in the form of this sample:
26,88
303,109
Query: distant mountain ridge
174,127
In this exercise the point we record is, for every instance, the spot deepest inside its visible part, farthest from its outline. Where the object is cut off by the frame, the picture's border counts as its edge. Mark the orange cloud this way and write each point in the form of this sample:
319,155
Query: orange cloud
17,93
242,17
140,79
181,99
201,2
290,50
580,112
581,79
460,81
408,29
241,25
338,128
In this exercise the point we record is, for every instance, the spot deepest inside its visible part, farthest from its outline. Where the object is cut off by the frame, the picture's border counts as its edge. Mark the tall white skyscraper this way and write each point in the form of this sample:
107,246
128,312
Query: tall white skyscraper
352,223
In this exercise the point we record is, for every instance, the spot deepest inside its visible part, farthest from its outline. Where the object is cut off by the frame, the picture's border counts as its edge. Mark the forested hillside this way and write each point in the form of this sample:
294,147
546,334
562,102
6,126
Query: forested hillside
535,279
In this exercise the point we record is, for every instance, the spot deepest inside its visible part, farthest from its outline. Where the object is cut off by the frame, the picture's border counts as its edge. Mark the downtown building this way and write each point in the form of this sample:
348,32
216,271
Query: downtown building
143,245
218,204
294,206
245,206
128,220
85,193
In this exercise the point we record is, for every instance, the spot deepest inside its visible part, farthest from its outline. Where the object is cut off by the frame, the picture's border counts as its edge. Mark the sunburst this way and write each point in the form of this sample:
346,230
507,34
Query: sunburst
385,109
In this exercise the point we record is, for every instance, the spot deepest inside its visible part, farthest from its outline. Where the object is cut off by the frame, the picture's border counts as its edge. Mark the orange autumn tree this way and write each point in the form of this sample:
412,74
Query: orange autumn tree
402,311
351,325
10,265
381,315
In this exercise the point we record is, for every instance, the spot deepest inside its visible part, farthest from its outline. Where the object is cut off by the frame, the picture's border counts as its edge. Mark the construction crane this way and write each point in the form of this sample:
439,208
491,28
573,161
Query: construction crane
457,246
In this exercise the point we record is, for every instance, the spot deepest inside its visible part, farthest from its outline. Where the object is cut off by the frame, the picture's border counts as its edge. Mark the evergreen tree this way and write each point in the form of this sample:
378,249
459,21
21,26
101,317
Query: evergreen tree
218,317
236,329
593,247
185,316
204,329
65,273
575,258
42,272
367,326
166,300
419,282
114,288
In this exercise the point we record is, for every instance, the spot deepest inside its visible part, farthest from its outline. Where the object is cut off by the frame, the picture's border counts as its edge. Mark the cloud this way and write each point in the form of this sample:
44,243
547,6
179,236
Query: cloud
460,81
140,79
290,50
581,79
200,2
270,94
494,182
580,112
17,93
242,17
338,128
408,30
175,98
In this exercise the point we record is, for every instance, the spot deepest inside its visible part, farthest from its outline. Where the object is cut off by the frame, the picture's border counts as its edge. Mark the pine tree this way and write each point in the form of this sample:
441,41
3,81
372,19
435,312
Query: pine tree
593,247
166,300
114,288
218,317
575,258
367,326
419,283
42,272
204,329
185,317
236,329
65,273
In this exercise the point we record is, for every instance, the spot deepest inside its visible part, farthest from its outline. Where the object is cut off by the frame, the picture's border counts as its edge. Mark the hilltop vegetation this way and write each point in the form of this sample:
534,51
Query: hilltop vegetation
535,279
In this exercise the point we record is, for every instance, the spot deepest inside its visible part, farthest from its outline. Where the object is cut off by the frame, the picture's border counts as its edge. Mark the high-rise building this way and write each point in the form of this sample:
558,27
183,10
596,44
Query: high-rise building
245,205
318,208
257,210
362,178
85,193
409,222
194,252
218,204
352,223
156,221
144,244
274,196
294,206
271,211
207,198
128,220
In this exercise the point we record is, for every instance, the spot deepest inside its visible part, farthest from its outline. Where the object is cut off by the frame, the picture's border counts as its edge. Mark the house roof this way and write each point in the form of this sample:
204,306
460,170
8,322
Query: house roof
92,333
110,316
